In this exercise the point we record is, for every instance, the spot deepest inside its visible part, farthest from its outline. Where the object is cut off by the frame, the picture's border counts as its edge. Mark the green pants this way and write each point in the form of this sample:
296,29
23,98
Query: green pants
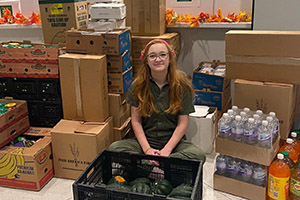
184,149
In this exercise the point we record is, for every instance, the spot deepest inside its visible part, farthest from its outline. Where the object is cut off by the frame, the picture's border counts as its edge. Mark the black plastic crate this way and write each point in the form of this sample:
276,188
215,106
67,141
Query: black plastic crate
131,166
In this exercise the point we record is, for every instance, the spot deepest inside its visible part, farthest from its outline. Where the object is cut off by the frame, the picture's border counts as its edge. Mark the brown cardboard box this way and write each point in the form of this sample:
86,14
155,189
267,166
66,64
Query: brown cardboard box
139,42
120,83
266,96
118,109
239,188
113,42
10,117
60,16
38,131
146,17
13,131
84,89
33,165
120,133
248,152
75,145
263,56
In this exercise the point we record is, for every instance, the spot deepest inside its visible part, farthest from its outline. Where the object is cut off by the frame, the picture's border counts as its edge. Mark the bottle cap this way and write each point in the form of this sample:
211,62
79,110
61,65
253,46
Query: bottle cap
246,110
238,118
293,134
256,116
272,114
289,140
264,122
250,120
243,114
230,111
259,112
225,115
269,118
234,107
285,154
280,156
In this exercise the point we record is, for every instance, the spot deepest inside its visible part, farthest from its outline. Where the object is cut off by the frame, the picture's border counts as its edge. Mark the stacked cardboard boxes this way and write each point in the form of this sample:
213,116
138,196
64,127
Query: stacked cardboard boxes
272,71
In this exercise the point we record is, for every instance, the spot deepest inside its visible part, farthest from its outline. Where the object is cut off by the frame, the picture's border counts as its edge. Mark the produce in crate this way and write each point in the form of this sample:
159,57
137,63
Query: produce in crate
182,191
118,182
161,186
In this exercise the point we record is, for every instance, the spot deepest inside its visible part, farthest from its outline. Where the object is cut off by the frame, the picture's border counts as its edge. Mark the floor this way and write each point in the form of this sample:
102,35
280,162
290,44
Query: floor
61,189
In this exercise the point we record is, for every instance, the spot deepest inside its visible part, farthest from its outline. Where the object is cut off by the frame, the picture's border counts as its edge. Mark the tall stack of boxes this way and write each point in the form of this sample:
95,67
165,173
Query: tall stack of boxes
87,127
148,24
266,72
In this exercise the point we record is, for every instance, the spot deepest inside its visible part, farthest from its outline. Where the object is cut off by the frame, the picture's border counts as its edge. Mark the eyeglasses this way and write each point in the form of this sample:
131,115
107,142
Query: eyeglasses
162,56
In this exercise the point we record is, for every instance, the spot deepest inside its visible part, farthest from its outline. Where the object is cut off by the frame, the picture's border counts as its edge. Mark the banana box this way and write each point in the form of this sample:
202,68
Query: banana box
26,167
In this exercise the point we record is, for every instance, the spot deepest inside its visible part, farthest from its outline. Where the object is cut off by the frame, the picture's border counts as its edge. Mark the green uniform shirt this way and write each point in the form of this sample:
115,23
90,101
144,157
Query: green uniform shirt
159,127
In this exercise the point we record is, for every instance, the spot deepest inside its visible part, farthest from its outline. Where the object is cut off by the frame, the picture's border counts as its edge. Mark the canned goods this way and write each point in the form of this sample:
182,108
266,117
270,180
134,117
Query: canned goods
10,106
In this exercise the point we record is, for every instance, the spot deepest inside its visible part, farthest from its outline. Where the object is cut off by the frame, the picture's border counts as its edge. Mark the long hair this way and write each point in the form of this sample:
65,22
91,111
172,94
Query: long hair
176,79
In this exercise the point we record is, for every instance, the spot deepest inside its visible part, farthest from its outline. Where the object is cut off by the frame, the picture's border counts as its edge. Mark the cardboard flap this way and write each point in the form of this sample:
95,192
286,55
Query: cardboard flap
89,128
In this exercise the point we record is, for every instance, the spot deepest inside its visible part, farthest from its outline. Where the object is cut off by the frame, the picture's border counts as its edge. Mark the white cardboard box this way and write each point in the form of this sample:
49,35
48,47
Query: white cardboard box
108,11
201,130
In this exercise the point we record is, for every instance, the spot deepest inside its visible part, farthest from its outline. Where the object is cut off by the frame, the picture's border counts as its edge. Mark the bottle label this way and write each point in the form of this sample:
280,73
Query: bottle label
295,187
264,137
250,134
237,131
225,129
221,165
278,188
259,175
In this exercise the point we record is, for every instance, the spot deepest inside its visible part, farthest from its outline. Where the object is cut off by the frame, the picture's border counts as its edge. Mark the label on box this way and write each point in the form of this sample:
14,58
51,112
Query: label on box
57,9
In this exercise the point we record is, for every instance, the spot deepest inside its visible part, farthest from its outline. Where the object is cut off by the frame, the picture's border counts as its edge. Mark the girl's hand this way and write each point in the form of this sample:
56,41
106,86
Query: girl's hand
164,152
153,152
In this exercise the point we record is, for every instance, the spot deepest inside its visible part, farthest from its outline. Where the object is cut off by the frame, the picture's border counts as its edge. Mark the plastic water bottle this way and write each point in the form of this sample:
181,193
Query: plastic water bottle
236,110
237,129
224,126
271,126
264,135
259,175
257,120
246,171
231,114
250,132
244,117
276,122
221,164
233,167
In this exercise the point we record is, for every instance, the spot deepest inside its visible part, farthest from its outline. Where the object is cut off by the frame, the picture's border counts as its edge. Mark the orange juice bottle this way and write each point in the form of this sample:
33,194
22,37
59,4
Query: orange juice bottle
295,143
289,147
295,184
278,181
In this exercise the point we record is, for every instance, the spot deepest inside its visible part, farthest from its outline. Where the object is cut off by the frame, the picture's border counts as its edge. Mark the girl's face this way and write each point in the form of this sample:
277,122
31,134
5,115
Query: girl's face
158,57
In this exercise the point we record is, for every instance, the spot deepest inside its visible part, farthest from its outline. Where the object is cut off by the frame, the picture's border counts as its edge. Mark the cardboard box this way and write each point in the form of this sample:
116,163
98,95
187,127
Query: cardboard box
263,56
268,97
139,42
118,64
120,133
75,145
83,80
146,17
108,11
38,131
107,25
12,116
201,129
13,131
118,109
239,188
120,83
114,42
33,165
209,81
212,99
60,16
248,152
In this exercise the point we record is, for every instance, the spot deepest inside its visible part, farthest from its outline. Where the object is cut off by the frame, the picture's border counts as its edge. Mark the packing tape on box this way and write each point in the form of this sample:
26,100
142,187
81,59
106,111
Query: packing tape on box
264,60
78,100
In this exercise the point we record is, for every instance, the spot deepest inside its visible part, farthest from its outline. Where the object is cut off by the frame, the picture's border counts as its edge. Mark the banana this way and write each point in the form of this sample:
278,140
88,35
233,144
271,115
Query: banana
9,163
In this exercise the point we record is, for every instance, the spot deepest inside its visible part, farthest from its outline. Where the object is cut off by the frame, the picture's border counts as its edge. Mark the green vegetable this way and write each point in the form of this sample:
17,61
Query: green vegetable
141,188
183,191
162,186
140,180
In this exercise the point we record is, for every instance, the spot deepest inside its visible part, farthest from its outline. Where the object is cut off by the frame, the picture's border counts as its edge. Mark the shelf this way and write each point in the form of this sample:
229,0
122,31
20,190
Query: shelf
215,25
